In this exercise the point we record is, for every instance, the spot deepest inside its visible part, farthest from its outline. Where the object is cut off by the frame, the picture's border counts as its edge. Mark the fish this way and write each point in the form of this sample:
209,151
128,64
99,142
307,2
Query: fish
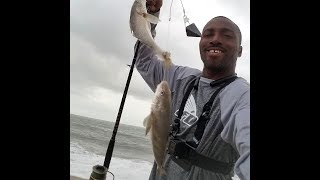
158,123
140,28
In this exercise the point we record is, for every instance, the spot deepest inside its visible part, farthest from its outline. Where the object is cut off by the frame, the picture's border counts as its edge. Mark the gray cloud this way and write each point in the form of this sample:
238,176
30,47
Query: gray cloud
105,24
88,68
101,44
236,6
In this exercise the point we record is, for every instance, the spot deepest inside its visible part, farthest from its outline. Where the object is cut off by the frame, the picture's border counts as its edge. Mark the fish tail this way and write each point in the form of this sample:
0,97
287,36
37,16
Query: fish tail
167,59
161,170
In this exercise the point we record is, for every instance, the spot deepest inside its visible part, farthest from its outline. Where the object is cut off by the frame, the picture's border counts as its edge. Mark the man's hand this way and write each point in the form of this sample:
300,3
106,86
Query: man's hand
154,6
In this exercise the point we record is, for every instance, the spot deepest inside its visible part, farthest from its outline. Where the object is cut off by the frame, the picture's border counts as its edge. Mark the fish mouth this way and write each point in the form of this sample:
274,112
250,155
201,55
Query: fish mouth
163,88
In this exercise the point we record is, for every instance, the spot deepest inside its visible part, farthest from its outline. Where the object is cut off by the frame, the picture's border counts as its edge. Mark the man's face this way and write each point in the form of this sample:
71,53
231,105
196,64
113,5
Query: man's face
220,45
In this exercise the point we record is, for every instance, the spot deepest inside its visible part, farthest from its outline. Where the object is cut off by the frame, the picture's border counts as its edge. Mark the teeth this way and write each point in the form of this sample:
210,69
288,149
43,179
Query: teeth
214,51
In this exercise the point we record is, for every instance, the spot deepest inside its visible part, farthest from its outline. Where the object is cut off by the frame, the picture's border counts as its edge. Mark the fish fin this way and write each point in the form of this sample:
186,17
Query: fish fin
145,121
148,121
151,18
149,26
148,127
167,59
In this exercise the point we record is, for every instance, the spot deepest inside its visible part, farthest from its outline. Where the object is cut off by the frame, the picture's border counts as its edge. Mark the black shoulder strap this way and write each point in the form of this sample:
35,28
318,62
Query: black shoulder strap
193,84
191,156
176,124
205,116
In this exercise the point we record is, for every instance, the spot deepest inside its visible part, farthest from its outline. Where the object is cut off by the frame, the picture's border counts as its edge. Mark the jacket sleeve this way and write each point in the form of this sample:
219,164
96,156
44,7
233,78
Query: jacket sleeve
148,64
235,115
242,137
152,70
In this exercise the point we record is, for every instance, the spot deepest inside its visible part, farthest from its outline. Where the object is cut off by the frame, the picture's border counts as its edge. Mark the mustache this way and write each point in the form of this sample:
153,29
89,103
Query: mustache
217,45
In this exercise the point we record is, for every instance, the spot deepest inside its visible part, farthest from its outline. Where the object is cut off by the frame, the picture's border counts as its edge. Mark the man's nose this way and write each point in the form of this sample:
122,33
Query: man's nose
215,39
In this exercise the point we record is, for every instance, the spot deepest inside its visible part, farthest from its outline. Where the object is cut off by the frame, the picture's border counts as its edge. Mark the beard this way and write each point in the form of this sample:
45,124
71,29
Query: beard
219,66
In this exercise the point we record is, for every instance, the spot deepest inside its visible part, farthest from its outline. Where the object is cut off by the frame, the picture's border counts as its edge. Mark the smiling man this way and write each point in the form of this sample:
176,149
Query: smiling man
210,115
220,46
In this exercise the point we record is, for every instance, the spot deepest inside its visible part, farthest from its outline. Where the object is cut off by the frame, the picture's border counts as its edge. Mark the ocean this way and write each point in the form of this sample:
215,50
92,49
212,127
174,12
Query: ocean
132,156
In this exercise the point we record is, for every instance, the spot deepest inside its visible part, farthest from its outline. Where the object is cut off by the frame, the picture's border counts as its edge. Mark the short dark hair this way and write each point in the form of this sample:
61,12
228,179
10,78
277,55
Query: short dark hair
237,27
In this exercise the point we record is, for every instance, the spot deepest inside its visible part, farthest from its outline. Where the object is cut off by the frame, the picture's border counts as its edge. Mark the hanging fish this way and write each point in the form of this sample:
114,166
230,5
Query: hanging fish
158,122
140,27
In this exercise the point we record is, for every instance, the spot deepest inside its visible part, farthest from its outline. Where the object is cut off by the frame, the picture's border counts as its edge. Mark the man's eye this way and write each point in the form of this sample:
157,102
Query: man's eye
207,34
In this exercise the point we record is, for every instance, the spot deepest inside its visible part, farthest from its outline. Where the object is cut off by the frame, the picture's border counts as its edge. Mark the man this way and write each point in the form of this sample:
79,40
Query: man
210,135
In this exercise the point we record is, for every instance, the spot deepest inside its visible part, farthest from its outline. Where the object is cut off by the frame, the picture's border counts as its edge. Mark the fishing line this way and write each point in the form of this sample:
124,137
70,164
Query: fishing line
191,29
111,174
185,18
168,30
167,41
170,10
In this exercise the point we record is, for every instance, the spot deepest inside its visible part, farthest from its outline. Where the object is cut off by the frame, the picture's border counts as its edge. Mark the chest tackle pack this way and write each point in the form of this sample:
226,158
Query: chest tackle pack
183,152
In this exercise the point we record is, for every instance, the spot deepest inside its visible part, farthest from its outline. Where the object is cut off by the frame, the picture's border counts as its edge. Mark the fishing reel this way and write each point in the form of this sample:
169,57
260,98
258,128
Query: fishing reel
98,173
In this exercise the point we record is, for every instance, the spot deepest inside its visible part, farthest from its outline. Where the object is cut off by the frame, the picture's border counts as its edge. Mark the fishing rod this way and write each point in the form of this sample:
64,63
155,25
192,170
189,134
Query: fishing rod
100,172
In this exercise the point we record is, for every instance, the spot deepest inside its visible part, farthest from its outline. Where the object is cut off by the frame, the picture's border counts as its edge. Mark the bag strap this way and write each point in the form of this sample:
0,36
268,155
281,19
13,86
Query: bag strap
205,116
187,155
176,124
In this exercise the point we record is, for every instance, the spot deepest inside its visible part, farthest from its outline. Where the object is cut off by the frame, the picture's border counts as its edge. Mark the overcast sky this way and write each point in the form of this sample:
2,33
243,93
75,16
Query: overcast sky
101,46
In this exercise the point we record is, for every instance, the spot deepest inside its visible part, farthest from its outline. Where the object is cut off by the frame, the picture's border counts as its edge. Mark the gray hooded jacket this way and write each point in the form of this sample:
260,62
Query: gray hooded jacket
230,112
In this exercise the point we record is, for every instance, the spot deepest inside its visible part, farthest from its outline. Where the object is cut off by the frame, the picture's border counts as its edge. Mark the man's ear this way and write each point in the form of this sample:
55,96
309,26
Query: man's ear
240,51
